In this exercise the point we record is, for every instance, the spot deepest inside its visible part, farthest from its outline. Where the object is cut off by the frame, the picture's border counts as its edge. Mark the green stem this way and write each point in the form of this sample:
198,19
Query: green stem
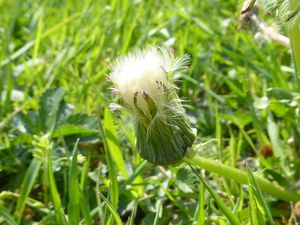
241,177
294,29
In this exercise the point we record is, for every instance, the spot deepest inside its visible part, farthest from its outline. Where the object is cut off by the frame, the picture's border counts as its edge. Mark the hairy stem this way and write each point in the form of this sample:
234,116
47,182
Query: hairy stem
241,177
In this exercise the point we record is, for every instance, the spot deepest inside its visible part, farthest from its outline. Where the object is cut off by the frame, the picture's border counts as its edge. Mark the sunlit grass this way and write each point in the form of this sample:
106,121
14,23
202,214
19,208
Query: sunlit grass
60,145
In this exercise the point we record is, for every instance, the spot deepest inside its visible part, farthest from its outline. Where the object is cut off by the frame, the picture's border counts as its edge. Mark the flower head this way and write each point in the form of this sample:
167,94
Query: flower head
144,81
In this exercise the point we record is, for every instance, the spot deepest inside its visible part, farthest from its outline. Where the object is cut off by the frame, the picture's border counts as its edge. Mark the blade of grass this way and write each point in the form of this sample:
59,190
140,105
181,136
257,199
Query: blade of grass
4,213
113,143
239,202
85,170
85,209
99,209
273,132
8,74
176,202
113,186
38,35
73,208
37,43
112,210
226,211
158,211
254,217
30,44
132,217
59,211
259,196
26,187
200,213
130,179
50,218
131,28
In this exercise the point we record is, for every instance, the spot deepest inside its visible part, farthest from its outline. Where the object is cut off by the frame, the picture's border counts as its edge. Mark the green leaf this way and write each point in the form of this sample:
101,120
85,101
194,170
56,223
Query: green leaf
279,94
184,180
281,109
241,119
276,142
70,129
83,120
77,124
64,113
48,113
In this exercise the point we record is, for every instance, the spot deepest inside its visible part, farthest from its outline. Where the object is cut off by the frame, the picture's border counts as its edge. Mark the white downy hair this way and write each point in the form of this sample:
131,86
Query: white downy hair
144,80
145,71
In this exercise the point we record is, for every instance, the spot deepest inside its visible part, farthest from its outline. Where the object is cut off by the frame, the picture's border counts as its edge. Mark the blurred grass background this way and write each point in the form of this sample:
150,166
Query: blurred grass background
241,91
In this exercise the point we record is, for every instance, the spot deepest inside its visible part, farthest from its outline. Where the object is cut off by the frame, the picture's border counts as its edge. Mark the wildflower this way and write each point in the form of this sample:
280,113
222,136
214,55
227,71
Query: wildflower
143,79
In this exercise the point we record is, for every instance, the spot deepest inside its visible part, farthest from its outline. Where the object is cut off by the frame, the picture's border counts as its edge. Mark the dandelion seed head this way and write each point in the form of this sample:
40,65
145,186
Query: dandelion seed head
145,71
144,80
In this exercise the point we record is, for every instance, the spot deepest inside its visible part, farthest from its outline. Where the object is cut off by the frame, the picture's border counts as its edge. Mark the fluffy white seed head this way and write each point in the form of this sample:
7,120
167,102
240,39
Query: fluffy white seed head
145,72
143,79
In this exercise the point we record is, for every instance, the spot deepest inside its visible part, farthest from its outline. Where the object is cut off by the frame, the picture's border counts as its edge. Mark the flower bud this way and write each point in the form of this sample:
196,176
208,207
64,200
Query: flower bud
143,79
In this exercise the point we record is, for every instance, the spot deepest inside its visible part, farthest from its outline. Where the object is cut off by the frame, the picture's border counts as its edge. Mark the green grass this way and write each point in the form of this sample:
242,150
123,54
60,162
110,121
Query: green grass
65,158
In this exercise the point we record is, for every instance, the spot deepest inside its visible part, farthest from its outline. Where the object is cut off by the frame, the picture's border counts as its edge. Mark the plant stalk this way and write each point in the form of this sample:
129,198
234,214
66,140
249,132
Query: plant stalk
241,177
294,30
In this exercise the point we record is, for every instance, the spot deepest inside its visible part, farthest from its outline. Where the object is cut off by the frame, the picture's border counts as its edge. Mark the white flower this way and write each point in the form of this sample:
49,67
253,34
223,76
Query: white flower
143,79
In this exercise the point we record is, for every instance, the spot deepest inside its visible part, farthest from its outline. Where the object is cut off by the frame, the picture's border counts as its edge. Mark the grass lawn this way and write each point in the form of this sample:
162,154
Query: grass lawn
67,158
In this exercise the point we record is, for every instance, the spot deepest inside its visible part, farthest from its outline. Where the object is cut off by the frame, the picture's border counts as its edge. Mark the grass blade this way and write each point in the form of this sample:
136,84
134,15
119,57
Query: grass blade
27,184
7,216
85,209
259,195
27,46
73,189
131,28
254,217
49,219
113,187
226,211
113,143
158,211
59,212
132,217
137,172
200,213
111,209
